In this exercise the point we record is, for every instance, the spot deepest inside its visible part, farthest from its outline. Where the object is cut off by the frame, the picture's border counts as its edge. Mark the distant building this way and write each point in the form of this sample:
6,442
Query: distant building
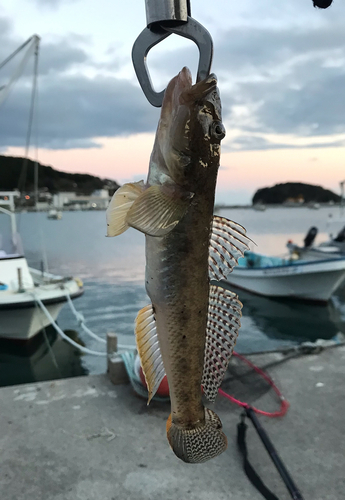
290,202
97,200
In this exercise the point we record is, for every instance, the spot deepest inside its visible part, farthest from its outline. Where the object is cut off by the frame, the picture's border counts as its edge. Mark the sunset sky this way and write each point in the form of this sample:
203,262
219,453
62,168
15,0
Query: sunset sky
281,73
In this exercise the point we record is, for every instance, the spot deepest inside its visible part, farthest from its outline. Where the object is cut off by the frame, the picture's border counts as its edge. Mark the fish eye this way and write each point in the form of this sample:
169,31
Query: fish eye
217,130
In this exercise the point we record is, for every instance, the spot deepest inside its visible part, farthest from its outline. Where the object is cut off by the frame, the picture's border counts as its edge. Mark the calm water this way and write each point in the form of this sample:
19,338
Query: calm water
112,270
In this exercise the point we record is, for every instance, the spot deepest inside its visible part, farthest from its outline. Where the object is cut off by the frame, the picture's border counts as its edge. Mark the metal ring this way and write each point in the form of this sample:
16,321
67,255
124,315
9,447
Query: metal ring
149,38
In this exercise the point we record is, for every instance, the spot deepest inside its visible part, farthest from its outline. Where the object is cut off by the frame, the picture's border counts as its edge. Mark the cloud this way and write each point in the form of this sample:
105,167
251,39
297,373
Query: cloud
290,80
280,78
260,49
304,103
61,55
53,3
255,143
75,109
55,56
287,80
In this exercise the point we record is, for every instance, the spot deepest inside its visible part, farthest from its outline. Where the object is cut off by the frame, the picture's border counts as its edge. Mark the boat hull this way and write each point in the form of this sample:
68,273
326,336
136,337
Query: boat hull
310,281
25,322
20,315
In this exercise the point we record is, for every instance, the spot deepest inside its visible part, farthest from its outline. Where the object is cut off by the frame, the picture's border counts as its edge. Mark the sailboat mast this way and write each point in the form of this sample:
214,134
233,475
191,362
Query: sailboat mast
22,179
341,196
35,87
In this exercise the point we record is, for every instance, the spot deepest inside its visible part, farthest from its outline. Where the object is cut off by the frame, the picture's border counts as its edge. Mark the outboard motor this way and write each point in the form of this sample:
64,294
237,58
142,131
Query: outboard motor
340,238
310,237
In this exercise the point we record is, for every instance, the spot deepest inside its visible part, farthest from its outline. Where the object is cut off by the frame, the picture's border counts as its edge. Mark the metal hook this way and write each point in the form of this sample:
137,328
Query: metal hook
148,39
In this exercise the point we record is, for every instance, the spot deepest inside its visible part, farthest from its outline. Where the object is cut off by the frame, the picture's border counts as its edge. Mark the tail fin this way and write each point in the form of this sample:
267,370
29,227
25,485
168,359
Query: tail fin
199,444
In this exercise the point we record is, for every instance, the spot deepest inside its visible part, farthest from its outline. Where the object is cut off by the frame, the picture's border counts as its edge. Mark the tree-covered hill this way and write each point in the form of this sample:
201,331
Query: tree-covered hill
12,176
294,191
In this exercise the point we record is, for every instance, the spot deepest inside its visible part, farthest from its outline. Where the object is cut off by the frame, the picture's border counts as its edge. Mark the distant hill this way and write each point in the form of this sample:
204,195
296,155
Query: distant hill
294,192
11,177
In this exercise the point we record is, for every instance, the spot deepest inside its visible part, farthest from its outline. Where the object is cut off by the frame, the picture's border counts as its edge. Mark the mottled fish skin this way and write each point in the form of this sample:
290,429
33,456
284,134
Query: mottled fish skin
174,209
177,264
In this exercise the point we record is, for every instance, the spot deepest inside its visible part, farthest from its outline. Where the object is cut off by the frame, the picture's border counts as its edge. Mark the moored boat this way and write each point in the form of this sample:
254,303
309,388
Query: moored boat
332,249
21,286
54,214
288,278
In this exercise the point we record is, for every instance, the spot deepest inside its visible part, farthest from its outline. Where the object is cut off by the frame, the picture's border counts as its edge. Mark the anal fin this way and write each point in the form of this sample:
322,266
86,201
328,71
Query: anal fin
224,314
149,350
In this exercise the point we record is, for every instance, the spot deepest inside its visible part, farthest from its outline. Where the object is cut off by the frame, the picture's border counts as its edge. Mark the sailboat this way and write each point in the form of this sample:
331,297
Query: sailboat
23,288
21,285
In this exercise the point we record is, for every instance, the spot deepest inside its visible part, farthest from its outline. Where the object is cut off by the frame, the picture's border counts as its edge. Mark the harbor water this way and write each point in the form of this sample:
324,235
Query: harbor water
113,271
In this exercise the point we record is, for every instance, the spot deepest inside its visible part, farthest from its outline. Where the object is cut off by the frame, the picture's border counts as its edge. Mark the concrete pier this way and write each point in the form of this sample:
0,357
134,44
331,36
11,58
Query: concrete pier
86,439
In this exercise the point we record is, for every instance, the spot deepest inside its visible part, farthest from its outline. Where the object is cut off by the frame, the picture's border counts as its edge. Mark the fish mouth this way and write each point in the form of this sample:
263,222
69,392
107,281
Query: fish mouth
200,89
182,91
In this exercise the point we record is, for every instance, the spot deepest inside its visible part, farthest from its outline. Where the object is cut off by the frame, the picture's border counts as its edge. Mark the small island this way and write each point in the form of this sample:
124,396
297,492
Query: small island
293,194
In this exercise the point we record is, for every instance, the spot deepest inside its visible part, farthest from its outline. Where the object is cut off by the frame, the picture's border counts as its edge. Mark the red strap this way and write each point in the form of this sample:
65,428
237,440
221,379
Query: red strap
284,404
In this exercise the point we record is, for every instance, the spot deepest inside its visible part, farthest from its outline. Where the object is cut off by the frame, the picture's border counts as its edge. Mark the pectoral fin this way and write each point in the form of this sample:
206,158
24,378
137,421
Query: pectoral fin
228,242
148,349
224,314
156,212
119,206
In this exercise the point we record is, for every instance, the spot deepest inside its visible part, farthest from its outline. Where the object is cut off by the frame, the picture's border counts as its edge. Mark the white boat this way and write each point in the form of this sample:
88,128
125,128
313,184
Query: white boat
314,206
259,207
332,249
54,214
288,278
320,252
20,286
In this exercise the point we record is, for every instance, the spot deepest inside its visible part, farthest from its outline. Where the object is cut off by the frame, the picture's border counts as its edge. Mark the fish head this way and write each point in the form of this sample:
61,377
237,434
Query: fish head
190,129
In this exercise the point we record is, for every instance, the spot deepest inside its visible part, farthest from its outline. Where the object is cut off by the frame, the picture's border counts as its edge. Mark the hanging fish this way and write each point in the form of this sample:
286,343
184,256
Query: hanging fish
189,330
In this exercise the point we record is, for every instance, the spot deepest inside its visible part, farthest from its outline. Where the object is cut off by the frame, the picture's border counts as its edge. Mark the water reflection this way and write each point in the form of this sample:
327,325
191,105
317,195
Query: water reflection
113,271
290,320
45,357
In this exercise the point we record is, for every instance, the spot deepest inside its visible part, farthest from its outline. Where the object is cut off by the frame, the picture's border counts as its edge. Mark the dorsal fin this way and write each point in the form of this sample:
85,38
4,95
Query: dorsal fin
224,314
227,243
149,350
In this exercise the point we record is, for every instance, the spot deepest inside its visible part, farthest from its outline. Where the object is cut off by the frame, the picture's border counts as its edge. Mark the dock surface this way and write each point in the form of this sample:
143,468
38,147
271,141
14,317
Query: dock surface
84,438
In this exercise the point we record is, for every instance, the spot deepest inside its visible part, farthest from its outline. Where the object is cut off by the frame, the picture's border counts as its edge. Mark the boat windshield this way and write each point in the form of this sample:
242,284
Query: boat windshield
256,260
10,243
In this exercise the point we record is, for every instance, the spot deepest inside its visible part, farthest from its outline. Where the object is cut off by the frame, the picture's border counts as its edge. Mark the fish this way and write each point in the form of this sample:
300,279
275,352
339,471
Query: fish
189,329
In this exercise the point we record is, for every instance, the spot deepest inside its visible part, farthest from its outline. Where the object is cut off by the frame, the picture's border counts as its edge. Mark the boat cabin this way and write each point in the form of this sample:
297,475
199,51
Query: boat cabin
14,270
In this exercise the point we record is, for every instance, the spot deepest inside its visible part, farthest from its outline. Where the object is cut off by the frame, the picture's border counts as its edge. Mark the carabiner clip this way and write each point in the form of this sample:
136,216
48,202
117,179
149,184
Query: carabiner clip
148,38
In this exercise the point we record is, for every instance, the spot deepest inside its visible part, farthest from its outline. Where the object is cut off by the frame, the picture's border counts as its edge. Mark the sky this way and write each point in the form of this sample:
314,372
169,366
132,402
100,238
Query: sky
281,75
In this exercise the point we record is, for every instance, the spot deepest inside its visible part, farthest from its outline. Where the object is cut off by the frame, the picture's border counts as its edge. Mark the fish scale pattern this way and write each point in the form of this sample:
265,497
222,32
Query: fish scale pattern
227,243
223,323
201,443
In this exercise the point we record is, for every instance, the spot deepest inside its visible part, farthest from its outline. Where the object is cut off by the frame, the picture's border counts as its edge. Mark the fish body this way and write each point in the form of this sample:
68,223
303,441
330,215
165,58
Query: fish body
189,329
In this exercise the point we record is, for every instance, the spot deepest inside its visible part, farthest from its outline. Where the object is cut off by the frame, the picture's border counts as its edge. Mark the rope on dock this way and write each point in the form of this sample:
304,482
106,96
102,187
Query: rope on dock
304,348
83,349
81,321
